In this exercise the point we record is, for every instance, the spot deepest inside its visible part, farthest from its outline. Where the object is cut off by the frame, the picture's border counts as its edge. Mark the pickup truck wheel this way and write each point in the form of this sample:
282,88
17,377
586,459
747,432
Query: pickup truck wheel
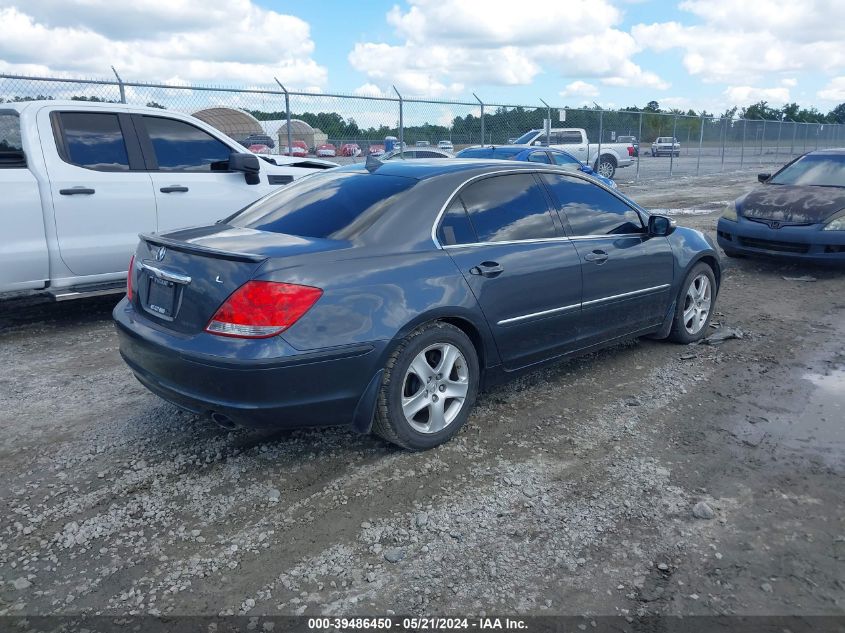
653,153
606,167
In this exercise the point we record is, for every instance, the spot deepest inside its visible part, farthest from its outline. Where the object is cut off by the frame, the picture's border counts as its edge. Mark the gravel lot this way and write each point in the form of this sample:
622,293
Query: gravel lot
648,478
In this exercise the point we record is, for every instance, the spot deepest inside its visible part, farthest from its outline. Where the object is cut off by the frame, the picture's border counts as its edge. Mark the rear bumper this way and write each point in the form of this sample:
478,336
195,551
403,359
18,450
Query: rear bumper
802,243
300,389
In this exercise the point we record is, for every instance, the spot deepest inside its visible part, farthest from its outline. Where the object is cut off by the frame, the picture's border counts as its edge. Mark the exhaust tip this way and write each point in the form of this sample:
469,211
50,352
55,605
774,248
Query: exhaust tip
223,421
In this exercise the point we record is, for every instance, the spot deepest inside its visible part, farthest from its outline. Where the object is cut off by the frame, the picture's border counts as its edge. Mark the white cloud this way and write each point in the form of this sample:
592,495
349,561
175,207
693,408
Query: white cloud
162,40
579,89
834,91
449,44
742,42
746,95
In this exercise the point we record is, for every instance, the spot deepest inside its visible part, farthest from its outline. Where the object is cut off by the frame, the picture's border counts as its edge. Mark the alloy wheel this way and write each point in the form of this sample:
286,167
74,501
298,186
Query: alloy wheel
435,388
697,304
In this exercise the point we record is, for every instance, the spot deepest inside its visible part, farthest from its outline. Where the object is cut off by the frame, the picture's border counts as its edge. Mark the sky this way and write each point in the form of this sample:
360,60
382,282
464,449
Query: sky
695,54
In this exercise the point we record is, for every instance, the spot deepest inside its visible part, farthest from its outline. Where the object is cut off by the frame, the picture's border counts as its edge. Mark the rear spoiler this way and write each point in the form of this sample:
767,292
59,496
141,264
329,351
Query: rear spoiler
187,247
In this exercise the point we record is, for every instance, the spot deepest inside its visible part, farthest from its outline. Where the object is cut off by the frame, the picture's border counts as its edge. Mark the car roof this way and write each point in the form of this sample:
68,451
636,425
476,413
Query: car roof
833,151
422,169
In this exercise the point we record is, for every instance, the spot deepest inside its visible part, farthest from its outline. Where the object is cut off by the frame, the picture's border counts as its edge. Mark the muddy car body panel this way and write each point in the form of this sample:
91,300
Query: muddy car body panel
382,275
799,212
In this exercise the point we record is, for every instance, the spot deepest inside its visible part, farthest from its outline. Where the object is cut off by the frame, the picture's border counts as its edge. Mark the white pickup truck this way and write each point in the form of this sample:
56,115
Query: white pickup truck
81,180
574,140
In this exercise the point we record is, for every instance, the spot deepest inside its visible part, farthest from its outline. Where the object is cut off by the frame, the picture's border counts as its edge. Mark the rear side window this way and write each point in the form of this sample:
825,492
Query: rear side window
333,205
94,140
539,157
10,140
590,209
180,146
507,208
456,227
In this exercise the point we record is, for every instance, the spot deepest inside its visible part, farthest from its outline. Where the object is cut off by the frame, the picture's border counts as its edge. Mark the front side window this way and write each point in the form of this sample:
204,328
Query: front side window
590,209
566,160
180,146
94,140
508,208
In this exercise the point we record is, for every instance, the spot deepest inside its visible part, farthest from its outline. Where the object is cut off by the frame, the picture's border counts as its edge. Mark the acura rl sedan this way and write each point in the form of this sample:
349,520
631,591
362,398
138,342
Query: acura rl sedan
799,212
386,296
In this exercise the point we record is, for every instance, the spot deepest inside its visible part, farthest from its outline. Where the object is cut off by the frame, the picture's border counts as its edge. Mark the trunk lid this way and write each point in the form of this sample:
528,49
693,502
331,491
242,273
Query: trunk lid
181,278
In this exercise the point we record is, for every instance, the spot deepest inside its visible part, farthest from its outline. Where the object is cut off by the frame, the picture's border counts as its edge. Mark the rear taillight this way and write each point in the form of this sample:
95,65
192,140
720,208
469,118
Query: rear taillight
260,309
130,292
630,150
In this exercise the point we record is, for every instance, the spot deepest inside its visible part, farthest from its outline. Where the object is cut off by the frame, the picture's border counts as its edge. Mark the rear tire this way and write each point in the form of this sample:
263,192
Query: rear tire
694,306
429,387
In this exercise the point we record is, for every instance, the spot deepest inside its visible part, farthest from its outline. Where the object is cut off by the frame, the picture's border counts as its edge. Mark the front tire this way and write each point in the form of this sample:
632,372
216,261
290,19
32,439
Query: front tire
429,387
694,307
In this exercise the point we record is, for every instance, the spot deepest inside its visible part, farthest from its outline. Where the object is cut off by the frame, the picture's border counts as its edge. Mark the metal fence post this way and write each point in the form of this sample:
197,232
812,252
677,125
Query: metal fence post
763,137
401,124
794,134
724,131
601,133
287,116
549,132
806,134
120,86
742,147
818,133
482,117
780,129
672,153
700,142
640,141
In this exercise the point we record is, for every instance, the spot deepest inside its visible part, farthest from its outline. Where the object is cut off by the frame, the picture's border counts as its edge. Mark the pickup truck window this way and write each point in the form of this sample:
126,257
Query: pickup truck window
10,132
94,140
590,209
180,146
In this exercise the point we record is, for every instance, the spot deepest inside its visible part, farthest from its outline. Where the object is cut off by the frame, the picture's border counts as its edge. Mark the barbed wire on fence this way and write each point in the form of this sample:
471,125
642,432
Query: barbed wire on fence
708,144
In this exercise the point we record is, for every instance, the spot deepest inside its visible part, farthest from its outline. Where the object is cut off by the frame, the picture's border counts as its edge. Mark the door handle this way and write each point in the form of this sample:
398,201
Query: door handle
487,269
174,189
599,257
77,191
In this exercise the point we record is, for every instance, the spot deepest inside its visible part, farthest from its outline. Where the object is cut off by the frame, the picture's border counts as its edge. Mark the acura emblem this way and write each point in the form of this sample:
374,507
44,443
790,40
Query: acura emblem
160,254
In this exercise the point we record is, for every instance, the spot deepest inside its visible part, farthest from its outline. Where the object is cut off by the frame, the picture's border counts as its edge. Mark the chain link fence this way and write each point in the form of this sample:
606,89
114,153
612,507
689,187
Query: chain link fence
358,124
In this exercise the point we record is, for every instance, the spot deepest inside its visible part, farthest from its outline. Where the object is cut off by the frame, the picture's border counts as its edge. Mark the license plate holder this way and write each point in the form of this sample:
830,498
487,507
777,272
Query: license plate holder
161,297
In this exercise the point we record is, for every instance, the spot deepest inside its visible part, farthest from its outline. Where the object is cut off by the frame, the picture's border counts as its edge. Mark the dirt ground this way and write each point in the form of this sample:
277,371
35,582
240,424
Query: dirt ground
576,490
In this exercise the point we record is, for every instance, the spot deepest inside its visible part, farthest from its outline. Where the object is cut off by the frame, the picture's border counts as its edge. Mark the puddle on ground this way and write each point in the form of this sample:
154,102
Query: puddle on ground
820,427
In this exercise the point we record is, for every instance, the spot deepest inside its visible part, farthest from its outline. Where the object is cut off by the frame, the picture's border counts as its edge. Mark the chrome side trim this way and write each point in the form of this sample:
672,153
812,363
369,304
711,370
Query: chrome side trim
543,239
167,275
625,294
538,314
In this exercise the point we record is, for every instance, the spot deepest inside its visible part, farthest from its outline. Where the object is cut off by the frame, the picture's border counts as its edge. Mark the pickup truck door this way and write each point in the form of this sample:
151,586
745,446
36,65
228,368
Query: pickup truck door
190,176
573,141
101,195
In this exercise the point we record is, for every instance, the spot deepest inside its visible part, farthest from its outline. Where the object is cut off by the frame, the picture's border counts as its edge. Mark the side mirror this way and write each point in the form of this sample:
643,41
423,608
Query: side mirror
763,177
246,163
660,225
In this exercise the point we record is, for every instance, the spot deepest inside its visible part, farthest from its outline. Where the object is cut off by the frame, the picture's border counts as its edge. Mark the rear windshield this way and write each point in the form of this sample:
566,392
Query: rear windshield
824,170
332,205
489,152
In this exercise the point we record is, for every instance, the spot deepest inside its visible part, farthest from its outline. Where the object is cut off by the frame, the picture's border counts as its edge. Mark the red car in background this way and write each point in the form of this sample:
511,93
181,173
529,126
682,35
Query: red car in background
327,149
258,148
350,149
299,149
376,150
